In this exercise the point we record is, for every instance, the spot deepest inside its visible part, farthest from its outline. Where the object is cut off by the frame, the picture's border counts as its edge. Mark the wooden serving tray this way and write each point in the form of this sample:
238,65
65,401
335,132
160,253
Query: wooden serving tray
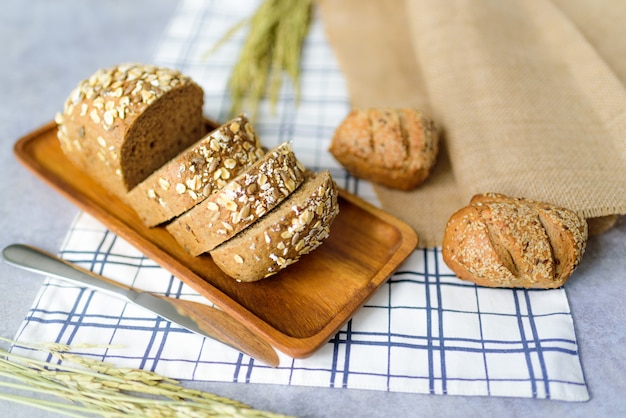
297,310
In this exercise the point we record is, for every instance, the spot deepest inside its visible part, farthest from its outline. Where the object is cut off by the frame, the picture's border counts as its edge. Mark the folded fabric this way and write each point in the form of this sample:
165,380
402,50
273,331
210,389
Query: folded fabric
424,331
526,104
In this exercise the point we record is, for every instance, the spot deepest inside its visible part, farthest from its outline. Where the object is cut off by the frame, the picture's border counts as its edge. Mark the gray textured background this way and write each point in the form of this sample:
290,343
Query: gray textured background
47,46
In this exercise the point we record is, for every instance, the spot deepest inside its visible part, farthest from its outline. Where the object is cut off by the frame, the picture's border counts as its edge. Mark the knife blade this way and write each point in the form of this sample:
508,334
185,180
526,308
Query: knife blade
193,316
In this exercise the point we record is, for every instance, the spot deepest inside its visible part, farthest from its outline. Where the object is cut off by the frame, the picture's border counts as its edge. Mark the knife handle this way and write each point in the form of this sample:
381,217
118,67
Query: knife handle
38,261
212,322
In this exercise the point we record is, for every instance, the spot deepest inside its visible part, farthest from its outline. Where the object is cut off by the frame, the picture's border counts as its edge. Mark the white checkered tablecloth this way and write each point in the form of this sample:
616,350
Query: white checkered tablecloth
424,331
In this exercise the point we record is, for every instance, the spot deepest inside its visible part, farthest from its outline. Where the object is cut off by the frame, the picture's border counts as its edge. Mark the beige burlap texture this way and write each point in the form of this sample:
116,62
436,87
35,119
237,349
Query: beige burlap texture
529,96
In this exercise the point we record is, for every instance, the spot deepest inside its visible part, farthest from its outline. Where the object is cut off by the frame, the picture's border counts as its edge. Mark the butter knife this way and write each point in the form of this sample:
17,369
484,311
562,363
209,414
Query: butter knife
196,317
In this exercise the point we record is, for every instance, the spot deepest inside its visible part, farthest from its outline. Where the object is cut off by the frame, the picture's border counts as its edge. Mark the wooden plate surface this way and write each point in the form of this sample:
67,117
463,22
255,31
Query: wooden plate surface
297,310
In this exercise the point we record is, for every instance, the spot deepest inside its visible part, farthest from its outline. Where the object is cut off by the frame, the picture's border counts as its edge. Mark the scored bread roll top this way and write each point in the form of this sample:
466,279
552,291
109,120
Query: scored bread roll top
197,172
500,241
240,203
295,228
124,122
393,147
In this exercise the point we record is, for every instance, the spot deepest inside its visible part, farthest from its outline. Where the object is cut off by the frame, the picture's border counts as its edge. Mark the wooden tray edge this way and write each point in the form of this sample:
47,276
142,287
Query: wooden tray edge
292,346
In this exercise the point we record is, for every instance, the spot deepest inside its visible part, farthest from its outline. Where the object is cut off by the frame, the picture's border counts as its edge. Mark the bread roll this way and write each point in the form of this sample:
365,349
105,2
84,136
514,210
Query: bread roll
124,122
500,241
295,228
196,172
240,203
392,147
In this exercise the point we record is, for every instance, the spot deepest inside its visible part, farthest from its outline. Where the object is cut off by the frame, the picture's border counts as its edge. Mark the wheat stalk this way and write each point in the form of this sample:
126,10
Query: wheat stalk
96,387
273,46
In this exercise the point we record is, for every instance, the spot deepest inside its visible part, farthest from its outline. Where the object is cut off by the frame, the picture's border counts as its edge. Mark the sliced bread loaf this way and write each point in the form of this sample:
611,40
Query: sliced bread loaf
197,172
124,122
240,203
295,228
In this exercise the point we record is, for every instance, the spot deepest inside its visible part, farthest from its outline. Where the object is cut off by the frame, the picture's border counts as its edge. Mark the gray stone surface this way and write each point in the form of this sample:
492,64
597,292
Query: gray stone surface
47,46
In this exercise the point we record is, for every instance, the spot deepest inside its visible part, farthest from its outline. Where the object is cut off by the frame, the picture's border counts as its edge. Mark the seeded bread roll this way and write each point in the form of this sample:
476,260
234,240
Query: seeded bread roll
295,228
396,148
124,122
195,173
240,203
500,241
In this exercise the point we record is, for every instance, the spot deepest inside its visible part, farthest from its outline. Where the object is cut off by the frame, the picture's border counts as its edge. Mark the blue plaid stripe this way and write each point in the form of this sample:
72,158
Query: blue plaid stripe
424,331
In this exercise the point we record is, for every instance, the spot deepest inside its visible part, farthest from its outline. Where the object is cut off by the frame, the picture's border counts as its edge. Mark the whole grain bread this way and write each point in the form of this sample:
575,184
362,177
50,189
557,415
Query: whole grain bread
139,131
296,227
396,148
501,241
197,172
126,121
240,203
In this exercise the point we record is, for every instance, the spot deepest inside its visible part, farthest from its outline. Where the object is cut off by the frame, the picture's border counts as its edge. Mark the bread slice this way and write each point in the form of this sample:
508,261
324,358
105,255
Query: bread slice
240,203
124,122
197,172
295,228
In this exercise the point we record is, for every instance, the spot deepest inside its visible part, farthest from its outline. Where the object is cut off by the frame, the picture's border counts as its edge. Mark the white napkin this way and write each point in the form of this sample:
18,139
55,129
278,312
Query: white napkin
424,331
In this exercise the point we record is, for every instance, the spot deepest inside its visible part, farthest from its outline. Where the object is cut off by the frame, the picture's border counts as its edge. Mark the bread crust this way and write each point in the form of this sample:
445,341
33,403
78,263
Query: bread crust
396,148
124,122
196,172
244,200
298,226
501,241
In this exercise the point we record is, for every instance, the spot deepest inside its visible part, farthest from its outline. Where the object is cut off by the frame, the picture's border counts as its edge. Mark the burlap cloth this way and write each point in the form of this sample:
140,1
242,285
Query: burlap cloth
529,95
